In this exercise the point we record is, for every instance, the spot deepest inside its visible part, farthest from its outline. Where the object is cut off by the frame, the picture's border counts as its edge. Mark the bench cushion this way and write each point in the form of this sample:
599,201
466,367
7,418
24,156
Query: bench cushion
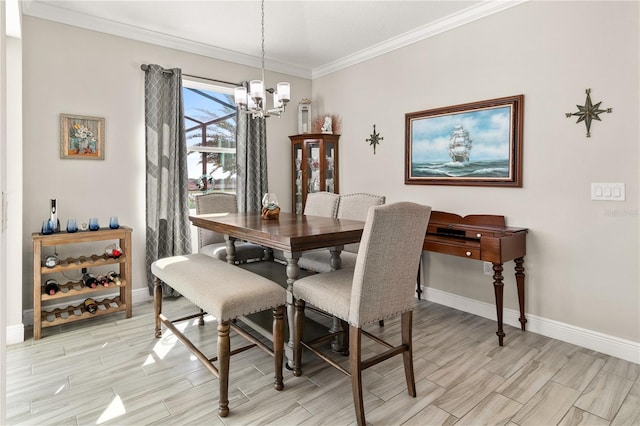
221,289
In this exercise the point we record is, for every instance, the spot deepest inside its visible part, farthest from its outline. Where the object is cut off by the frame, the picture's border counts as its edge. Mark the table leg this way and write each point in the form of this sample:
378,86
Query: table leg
336,260
231,249
520,282
498,287
336,325
293,272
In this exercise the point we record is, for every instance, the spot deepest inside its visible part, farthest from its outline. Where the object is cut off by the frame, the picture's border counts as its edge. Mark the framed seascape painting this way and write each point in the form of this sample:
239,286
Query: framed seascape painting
81,137
478,143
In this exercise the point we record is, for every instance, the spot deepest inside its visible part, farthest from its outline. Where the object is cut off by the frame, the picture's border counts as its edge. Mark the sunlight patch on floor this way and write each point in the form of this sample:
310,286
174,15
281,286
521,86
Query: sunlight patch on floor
115,409
164,345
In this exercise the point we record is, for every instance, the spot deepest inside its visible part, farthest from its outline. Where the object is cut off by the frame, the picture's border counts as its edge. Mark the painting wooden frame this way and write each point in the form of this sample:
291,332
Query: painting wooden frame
476,144
81,137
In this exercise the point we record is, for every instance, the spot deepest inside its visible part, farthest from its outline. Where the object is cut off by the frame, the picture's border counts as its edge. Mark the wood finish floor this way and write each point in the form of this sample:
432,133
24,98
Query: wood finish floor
111,370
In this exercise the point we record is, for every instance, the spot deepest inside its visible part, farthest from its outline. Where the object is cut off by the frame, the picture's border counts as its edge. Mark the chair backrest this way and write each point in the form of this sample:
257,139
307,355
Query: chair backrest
355,207
322,204
214,202
386,270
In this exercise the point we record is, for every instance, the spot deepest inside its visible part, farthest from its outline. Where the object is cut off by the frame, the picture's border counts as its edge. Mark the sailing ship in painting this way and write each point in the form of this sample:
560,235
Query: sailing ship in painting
459,144
460,162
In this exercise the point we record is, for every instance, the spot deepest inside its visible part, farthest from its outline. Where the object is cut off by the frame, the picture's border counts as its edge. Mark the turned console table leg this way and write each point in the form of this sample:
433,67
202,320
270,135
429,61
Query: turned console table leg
520,282
498,287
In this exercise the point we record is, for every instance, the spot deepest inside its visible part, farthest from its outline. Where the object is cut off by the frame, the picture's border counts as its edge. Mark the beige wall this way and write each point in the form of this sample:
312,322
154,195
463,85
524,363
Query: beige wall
582,255
582,261
75,71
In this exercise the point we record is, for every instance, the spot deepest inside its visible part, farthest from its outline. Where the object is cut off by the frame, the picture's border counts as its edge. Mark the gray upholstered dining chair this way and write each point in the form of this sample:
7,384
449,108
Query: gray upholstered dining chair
322,204
381,286
212,243
351,206
317,204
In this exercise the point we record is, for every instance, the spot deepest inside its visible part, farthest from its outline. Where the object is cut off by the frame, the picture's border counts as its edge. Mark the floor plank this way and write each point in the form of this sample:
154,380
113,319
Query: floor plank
112,370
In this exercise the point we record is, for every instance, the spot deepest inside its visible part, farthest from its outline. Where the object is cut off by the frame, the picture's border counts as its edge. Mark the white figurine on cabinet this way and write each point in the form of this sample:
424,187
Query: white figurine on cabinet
326,127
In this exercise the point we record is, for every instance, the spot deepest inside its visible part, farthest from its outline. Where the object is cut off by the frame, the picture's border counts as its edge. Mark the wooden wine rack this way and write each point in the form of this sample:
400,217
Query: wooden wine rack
76,289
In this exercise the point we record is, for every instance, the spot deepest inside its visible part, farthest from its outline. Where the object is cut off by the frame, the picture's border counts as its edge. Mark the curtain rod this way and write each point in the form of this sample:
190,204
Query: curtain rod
145,67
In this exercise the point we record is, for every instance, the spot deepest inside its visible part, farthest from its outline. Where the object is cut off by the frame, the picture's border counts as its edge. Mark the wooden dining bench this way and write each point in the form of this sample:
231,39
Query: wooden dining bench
227,292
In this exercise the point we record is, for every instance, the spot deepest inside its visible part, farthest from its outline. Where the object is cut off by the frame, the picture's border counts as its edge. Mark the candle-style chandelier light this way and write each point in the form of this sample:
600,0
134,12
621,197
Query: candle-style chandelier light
254,102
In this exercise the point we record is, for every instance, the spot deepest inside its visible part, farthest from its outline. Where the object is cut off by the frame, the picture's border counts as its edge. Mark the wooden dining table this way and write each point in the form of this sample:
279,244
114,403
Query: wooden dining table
292,234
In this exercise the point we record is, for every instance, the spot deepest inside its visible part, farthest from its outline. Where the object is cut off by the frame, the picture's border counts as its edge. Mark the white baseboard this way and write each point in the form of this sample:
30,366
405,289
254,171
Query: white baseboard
15,334
140,295
610,345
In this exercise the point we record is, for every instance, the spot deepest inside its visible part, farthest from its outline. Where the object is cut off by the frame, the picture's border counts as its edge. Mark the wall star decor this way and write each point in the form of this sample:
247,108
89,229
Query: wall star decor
374,139
588,112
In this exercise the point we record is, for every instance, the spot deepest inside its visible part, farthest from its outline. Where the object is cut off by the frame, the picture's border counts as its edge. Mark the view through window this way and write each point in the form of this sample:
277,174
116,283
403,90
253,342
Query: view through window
210,123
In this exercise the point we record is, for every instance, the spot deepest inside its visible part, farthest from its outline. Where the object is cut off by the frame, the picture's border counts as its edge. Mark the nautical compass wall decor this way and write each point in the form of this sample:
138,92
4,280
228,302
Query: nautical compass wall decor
588,112
374,139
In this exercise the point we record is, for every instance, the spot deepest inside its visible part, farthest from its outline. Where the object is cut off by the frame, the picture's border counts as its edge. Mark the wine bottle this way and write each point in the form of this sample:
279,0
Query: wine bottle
55,223
51,287
89,280
90,306
114,277
102,280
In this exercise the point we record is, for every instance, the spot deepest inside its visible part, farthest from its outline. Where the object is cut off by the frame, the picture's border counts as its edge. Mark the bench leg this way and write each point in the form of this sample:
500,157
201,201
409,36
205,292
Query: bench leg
157,304
224,349
278,345
298,322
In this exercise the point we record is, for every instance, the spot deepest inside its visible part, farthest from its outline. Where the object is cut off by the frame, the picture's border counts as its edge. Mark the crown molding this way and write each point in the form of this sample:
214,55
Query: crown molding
50,12
452,21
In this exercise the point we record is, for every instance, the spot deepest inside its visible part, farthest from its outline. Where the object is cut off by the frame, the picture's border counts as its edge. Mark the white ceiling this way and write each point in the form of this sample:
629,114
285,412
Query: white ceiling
305,38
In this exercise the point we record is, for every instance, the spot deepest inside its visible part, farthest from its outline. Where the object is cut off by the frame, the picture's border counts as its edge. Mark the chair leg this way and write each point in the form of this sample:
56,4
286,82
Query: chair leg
407,355
298,330
224,349
355,362
278,345
157,304
201,317
345,337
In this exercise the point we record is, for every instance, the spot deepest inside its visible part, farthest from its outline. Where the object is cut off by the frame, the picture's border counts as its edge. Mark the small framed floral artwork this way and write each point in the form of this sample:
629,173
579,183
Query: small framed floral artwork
81,137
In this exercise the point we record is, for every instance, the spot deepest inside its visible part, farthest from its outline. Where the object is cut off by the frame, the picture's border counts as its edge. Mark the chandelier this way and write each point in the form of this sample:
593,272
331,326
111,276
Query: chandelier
254,102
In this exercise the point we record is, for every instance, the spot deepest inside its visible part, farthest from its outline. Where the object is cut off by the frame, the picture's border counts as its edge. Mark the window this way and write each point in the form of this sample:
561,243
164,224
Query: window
210,124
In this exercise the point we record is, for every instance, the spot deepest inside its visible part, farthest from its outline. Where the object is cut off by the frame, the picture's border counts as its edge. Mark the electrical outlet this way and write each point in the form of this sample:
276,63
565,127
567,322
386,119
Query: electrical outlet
487,268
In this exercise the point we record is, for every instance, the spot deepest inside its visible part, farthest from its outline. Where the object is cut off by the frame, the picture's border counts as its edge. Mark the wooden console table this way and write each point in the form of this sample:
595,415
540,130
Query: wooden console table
486,238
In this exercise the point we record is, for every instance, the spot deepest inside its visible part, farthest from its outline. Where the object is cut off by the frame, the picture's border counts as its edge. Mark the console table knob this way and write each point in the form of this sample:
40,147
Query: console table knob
468,253
478,235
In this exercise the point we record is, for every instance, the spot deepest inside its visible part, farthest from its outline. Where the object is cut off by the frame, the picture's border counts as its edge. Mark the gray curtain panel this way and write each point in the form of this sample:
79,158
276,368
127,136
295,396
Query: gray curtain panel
168,230
251,157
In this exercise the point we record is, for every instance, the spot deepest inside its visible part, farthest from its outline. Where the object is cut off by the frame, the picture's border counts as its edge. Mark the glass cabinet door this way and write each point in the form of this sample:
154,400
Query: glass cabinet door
298,194
314,166
313,163
329,167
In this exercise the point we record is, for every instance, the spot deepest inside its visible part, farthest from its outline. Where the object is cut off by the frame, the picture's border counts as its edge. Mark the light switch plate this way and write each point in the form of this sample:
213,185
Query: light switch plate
608,191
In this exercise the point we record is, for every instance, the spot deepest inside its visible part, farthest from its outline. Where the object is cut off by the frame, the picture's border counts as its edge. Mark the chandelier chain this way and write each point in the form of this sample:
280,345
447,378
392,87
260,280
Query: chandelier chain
262,28
253,100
